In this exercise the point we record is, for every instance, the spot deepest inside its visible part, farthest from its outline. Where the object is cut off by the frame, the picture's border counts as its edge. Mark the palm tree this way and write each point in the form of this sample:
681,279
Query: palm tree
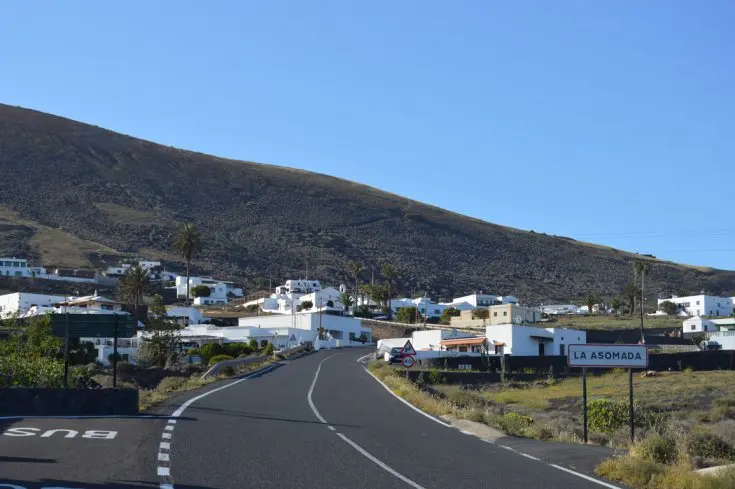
355,267
133,285
631,292
188,244
389,272
641,268
590,300
346,299
615,304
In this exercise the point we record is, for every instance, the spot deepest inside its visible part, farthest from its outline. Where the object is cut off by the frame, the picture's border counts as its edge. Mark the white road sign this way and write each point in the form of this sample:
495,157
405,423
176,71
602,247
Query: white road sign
408,362
408,349
610,356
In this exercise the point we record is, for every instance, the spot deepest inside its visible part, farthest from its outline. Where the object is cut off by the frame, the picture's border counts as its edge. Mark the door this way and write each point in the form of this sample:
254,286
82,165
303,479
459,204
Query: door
541,349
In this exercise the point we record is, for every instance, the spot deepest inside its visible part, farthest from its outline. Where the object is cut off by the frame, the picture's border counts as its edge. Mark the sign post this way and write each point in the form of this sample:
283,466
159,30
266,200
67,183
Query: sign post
408,353
66,351
608,356
114,353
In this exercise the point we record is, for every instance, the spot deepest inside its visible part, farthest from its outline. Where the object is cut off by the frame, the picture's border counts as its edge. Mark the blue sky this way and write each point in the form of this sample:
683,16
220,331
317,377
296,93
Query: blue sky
607,121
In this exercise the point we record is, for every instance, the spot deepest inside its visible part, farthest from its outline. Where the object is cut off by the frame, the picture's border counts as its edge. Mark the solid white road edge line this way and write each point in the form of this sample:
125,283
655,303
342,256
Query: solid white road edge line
605,484
354,445
166,435
529,456
359,360
591,479
436,420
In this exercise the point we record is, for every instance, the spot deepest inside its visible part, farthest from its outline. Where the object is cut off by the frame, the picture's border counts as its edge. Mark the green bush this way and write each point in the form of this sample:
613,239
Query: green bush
655,448
210,350
606,416
219,358
708,445
515,424
253,344
237,349
631,471
227,371
269,349
435,377
201,291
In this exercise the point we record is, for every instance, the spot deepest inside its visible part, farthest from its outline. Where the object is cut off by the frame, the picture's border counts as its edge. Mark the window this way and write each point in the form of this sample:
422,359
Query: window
495,314
505,313
693,327
697,302
106,307
437,311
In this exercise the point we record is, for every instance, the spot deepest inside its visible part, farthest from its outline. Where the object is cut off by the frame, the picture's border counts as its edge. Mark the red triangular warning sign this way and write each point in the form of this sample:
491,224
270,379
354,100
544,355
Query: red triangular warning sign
408,349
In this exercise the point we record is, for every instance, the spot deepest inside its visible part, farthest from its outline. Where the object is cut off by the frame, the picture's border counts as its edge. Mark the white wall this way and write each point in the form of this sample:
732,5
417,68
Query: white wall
339,327
21,302
431,339
703,305
698,325
518,339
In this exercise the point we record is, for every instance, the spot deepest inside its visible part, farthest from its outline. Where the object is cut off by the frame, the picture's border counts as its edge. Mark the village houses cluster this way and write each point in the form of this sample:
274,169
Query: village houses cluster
302,311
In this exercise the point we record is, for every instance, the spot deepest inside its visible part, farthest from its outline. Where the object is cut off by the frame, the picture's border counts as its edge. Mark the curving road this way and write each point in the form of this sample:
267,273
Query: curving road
318,421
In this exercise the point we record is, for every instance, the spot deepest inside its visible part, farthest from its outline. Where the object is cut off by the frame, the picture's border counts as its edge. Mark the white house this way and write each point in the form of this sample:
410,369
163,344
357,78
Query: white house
320,299
184,315
432,339
217,289
21,302
484,300
296,288
335,330
18,267
558,309
697,325
513,339
702,305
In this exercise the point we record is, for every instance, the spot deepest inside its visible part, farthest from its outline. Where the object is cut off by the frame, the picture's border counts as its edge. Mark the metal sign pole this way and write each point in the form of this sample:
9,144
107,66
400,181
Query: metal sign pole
584,400
66,353
114,356
632,415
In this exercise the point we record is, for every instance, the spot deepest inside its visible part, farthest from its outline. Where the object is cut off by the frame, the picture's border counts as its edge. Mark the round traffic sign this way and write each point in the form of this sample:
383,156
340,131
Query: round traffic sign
408,362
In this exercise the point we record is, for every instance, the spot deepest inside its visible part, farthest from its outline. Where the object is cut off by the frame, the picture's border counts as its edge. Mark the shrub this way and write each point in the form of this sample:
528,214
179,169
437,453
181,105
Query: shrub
306,305
708,445
655,448
435,377
606,416
515,424
476,415
125,367
227,371
219,358
237,349
269,349
633,472
462,398
171,384
201,291
253,344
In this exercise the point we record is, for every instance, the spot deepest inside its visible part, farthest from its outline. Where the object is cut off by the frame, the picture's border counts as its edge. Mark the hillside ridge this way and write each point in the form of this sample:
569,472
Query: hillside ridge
260,218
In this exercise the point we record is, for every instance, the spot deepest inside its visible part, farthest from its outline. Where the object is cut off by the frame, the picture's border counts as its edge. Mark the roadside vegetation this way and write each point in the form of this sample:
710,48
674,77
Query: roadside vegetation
684,420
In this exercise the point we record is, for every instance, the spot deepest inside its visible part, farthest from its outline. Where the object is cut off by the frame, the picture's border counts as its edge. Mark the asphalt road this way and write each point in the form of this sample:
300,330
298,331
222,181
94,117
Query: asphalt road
286,427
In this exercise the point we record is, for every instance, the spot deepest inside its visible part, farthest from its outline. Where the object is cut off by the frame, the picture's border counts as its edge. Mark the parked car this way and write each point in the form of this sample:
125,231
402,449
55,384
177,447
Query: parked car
394,356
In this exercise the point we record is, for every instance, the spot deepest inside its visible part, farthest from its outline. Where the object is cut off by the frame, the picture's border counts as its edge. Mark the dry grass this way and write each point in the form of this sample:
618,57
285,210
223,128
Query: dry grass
147,398
642,474
54,245
409,391
666,391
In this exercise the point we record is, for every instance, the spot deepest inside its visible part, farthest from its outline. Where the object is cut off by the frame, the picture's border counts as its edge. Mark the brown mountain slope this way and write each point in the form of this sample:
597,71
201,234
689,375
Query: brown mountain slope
70,183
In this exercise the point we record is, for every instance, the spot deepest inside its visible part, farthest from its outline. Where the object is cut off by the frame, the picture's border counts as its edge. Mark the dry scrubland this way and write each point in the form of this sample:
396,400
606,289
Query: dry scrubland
127,198
685,420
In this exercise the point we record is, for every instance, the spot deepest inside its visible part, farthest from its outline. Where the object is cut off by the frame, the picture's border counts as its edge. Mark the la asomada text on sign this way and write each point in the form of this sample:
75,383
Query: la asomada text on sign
608,356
